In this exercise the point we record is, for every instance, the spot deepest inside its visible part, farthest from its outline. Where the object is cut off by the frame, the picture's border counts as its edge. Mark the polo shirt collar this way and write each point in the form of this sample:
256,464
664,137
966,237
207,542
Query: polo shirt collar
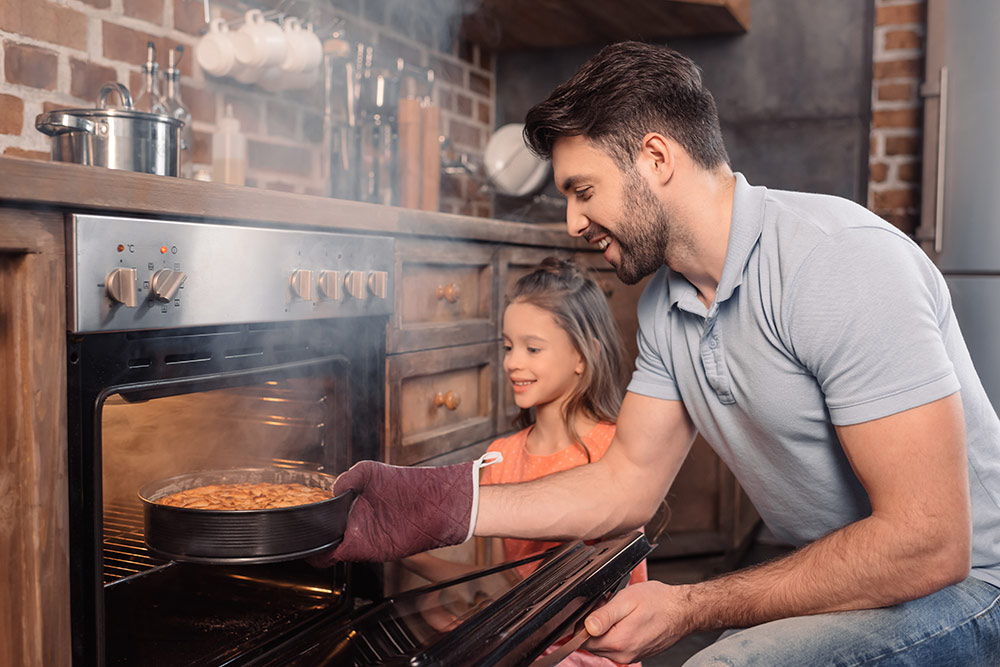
744,232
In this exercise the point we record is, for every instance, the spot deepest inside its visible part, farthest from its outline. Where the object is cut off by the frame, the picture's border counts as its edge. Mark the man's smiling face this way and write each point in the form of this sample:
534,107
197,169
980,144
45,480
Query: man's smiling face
613,210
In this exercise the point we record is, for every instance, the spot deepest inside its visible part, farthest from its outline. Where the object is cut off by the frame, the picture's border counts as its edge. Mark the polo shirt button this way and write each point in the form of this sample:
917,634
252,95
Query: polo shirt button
713,343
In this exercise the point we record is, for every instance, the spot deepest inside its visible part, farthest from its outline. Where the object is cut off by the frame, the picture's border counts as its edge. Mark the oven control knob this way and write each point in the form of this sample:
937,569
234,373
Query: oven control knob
331,285
378,283
120,285
301,284
165,284
354,281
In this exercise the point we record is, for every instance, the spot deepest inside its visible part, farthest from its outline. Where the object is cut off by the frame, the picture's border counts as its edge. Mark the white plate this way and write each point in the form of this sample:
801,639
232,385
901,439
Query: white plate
511,166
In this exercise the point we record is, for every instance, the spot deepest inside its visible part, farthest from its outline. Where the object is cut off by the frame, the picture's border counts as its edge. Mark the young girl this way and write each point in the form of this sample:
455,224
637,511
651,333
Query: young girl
563,358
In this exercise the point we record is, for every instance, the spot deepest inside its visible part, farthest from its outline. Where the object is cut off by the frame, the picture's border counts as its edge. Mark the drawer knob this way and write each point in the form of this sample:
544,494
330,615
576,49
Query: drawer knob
449,293
451,400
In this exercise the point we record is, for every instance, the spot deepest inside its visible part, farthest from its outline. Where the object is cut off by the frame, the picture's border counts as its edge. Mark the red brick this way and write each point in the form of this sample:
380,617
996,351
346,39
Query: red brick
200,102
896,92
189,17
902,145
445,70
86,79
902,118
312,128
486,59
878,172
903,39
13,151
909,172
11,114
896,69
464,134
480,84
125,44
145,10
463,105
278,157
483,113
899,14
393,48
446,99
202,147
894,199
30,66
44,21
53,106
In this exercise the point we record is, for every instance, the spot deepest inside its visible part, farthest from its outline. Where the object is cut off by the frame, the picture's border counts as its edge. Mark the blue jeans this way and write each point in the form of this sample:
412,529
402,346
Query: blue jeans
957,626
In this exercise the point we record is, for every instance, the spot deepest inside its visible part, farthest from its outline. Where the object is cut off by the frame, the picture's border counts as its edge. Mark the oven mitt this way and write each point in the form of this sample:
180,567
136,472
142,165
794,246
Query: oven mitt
400,511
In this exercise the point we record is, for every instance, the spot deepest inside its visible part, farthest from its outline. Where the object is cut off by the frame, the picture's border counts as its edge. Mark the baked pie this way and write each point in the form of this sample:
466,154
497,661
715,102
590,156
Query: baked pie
246,496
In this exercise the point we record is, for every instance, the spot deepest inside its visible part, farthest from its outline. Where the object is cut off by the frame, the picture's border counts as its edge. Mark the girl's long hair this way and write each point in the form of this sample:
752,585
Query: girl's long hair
580,308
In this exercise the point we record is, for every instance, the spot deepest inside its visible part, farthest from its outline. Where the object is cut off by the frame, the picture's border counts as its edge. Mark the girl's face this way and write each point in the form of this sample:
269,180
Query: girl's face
540,360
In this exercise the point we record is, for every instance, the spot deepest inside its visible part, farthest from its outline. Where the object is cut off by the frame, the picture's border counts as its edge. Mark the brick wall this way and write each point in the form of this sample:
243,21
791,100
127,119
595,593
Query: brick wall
897,107
58,53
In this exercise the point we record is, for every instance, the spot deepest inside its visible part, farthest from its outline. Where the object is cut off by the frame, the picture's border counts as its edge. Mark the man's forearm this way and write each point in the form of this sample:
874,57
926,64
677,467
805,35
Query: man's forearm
865,565
585,502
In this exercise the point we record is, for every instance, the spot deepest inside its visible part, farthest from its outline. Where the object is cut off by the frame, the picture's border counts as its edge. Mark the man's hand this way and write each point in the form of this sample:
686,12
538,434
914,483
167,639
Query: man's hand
641,620
402,511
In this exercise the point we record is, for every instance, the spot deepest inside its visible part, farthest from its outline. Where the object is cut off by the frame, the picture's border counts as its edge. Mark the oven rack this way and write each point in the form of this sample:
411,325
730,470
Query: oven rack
125,551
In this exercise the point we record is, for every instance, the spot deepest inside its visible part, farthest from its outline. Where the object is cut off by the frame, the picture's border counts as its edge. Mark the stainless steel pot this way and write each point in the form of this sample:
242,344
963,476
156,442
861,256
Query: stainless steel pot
117,138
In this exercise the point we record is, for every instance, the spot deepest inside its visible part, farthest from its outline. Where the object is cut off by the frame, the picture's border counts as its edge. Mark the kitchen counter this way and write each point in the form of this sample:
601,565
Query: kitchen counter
34,199
74,187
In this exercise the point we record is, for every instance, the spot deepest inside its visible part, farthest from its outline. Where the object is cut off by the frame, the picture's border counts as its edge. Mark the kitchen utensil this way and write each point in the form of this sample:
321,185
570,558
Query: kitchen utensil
116,138
563,651
243,536
430,120
510,166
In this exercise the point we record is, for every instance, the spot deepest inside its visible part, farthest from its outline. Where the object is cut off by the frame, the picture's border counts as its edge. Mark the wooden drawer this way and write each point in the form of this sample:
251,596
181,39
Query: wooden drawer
445,295
422,387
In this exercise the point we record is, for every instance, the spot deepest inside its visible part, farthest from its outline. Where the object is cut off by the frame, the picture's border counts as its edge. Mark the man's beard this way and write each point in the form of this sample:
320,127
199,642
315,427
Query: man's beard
642,242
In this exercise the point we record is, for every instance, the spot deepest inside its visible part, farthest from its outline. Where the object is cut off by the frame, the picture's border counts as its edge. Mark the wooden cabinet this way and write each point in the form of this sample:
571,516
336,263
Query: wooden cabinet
442,369
504,25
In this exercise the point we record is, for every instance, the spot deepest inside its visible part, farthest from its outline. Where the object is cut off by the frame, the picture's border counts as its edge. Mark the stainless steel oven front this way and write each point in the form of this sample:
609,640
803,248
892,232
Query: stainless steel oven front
202,346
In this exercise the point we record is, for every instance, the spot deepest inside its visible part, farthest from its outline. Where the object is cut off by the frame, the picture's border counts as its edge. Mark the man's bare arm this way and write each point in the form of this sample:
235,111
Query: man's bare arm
617,493
916,541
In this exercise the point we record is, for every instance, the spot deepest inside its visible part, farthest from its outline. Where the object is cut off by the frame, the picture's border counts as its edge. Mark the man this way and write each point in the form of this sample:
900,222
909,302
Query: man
815,348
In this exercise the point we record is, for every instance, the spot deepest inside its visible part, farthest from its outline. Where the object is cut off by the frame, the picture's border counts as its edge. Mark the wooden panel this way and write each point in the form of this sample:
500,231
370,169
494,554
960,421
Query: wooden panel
420,426
445,295
34,548
522,24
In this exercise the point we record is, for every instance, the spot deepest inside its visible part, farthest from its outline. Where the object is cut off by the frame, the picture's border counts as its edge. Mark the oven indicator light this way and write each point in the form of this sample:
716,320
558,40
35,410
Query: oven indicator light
164,250
121,248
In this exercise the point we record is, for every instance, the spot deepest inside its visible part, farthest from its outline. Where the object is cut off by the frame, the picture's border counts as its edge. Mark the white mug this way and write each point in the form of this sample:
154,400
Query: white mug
259,42
304,48
215,51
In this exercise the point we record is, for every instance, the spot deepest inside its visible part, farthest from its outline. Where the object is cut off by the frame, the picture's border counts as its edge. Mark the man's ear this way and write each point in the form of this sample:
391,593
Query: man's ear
657,153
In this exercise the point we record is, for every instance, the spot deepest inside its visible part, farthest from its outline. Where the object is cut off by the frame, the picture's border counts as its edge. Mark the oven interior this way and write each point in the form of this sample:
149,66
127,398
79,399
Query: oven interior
149,405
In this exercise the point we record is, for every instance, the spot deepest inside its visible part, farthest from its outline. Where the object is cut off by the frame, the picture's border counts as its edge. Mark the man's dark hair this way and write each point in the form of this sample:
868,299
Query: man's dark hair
625,91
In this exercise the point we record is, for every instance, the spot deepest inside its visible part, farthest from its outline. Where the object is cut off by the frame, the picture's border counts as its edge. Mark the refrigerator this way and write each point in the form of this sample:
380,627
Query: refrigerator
960,196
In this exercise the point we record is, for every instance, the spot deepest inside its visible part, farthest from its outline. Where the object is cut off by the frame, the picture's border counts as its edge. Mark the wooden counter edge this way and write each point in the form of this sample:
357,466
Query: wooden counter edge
34,183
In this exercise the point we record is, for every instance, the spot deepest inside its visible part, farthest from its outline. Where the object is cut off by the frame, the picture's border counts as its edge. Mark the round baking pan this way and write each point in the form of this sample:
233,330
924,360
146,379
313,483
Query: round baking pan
243,536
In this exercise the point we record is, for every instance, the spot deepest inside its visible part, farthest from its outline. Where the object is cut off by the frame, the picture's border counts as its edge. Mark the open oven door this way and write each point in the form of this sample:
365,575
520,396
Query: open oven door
480,619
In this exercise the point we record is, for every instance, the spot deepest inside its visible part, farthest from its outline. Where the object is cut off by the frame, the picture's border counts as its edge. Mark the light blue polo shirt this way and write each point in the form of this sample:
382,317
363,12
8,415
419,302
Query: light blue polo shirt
825,314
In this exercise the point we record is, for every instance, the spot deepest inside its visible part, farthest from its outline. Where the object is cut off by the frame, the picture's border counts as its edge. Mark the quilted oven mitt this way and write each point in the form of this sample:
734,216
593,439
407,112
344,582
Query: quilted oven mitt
400,511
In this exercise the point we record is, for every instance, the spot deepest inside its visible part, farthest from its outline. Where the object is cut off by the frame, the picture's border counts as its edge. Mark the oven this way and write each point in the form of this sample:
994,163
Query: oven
203,346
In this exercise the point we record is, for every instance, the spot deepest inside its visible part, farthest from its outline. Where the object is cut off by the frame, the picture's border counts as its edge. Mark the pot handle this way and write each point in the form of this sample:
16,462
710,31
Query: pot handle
60,123
114,87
